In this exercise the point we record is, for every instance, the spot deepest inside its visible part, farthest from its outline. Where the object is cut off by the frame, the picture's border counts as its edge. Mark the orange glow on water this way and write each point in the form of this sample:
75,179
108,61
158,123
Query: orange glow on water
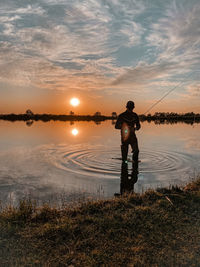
75,132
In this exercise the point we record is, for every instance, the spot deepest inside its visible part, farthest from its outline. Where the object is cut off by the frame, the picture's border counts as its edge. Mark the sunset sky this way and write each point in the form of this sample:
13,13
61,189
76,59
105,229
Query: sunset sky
103,52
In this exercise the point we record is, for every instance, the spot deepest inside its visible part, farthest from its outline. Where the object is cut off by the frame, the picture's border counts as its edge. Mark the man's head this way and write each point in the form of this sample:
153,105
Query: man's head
130,105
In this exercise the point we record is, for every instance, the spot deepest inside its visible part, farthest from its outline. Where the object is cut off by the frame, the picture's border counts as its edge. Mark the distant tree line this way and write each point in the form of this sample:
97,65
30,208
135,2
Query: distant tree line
30,116
158,117
163,117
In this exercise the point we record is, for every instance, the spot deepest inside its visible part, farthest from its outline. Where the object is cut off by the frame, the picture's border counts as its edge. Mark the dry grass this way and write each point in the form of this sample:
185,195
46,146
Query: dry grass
158,228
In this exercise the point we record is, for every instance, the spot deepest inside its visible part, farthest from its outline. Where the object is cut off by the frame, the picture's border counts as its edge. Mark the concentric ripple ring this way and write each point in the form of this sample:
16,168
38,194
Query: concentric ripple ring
102,162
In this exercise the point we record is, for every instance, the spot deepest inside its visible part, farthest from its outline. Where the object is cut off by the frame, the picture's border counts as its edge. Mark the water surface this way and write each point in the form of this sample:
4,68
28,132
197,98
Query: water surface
61,161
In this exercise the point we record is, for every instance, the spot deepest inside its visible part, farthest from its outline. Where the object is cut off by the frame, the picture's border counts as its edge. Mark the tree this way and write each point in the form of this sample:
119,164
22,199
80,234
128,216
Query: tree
29,112
114,114
97,113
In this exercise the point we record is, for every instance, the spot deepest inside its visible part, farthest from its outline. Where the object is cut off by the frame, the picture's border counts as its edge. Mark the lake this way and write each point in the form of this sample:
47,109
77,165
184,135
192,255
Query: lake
62,162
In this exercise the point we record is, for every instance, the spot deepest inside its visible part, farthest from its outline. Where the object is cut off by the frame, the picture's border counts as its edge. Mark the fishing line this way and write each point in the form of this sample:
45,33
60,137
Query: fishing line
166,94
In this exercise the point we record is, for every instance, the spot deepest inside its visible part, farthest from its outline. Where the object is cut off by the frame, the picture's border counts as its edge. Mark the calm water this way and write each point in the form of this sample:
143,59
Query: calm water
59,161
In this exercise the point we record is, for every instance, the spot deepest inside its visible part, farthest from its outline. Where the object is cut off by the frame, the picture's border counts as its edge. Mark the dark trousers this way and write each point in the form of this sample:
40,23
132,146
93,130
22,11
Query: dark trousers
132,140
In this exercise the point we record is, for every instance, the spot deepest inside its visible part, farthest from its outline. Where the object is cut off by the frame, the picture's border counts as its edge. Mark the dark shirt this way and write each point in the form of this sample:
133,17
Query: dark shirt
129,117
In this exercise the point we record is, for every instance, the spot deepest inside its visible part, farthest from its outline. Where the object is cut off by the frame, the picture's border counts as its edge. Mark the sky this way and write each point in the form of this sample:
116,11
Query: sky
105,52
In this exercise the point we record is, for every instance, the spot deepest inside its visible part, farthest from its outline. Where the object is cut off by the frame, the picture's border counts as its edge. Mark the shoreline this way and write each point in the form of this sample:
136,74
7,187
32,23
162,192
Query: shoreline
159,118
157,228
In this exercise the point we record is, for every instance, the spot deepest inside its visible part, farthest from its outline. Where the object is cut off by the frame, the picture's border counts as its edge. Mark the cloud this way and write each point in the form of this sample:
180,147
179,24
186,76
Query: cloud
133,31
174,41
128,9
42,54
28,9
194,90
21,69
4,19
59,44
144,73
177,34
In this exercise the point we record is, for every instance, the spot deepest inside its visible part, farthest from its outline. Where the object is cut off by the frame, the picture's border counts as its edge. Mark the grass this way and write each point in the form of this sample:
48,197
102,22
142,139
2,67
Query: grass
157,228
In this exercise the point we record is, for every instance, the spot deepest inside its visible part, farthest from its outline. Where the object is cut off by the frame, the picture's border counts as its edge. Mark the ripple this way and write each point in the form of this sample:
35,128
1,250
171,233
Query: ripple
102,162
164,161
93,162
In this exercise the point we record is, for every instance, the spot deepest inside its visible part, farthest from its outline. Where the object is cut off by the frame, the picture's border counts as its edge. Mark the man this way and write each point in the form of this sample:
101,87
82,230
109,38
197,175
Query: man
128,122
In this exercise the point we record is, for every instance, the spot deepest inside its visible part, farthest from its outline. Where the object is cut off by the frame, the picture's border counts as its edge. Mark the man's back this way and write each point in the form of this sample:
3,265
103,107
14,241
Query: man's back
130,118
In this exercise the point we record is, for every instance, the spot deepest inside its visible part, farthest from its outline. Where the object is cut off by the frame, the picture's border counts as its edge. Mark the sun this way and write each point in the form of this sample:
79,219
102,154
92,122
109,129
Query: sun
74,102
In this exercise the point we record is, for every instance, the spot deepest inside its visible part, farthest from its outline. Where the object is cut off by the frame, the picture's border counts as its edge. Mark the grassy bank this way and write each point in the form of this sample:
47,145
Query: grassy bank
158,228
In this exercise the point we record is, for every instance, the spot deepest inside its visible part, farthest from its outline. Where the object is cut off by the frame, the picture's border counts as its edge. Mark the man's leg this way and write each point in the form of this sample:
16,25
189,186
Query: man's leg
135,149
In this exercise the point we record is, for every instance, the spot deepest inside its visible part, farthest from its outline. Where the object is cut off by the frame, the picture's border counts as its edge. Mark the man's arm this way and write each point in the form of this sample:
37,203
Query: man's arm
118,123
138,126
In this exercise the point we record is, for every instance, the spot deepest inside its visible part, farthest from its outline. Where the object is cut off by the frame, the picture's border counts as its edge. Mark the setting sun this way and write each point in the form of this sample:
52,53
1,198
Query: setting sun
74,102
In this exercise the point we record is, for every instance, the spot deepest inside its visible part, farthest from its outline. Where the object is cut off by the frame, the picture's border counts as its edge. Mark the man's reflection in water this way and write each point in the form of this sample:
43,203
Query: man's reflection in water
128,178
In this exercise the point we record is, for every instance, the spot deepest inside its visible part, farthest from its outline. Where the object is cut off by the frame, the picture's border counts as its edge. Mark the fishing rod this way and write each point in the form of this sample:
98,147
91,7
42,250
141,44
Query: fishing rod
167,93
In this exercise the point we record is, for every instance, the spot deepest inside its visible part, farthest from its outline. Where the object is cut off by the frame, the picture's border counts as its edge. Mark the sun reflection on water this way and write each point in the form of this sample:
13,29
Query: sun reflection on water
75,132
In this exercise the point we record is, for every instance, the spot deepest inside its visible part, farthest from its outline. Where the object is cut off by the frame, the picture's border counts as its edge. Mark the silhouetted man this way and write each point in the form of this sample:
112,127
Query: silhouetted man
128,122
